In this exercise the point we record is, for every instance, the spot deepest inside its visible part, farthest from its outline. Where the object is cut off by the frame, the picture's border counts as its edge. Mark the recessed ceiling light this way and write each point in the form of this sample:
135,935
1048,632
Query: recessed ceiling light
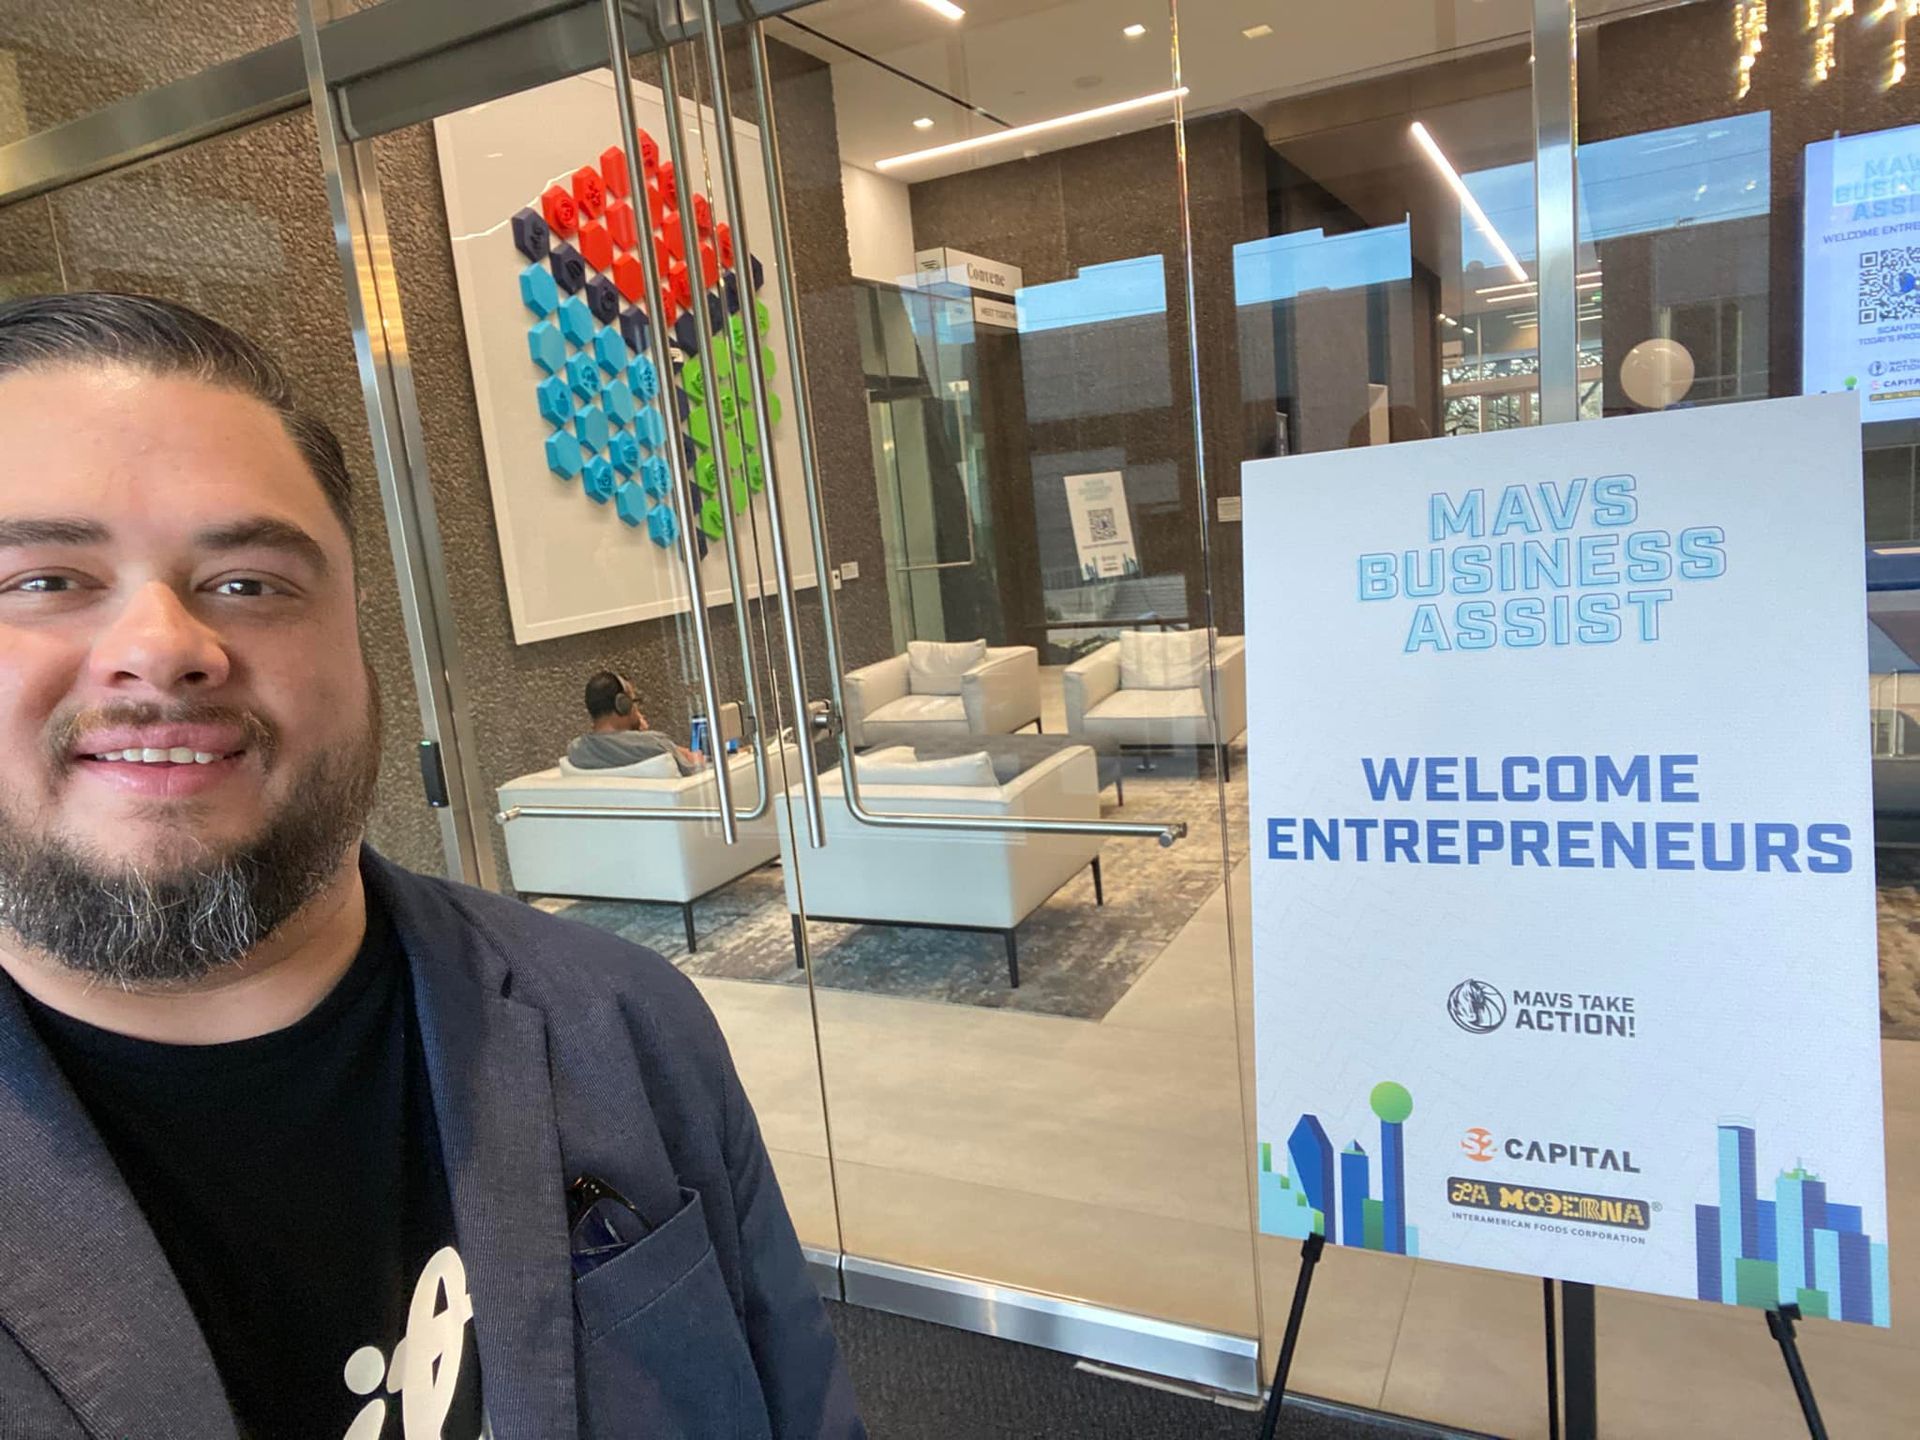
945,8
925,122
1257,32
1020,132
1134,32
1468,203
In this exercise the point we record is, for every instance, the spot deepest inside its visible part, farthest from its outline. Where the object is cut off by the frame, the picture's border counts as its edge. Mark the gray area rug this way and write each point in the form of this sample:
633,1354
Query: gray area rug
1076,959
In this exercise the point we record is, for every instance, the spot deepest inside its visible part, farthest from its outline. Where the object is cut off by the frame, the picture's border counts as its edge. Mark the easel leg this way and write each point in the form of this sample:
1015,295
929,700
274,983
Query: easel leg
1780,1326
1309,1257
1580,1383
1553,1360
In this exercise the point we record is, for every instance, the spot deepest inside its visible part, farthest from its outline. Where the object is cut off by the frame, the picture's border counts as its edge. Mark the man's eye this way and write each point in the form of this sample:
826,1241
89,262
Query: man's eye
243,586
45,584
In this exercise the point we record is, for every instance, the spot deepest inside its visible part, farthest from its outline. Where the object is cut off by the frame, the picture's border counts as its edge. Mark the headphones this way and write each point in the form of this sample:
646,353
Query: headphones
623,702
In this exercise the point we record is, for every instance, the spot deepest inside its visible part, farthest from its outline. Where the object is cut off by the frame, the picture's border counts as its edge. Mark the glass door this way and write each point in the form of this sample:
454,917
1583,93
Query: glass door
1015,907
558,288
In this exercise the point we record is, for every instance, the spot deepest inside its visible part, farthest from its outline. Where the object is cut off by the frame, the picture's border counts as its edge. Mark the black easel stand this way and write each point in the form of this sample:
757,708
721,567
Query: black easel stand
1573,1390
1780,1326
1309,1257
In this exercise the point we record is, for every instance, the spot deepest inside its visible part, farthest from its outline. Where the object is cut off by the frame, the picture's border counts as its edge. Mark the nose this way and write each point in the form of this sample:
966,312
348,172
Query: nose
155,643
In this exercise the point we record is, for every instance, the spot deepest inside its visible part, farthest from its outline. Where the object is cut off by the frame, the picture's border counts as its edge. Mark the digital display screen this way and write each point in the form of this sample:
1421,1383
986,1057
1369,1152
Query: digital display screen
1860,298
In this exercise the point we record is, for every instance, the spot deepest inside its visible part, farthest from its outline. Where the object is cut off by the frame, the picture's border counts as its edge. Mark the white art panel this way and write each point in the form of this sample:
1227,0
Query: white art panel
572,564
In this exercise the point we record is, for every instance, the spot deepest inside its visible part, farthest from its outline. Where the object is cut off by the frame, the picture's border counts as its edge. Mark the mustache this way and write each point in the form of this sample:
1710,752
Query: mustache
66,730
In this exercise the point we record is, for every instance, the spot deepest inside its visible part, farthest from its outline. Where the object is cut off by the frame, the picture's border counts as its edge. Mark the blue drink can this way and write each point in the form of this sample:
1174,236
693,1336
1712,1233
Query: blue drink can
699,746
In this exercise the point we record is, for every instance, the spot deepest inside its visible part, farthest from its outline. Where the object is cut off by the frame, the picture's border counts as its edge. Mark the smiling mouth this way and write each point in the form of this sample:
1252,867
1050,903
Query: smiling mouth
177,755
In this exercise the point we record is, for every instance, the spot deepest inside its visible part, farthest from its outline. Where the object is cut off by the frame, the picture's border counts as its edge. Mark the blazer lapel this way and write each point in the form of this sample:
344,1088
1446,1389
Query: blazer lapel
84,1287
493,1098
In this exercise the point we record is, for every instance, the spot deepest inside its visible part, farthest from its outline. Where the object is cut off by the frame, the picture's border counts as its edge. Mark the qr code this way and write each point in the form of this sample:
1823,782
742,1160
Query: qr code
1100,526
1890,284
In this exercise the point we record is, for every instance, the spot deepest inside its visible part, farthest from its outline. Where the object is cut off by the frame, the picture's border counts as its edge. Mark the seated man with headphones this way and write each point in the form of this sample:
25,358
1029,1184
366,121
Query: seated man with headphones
620,735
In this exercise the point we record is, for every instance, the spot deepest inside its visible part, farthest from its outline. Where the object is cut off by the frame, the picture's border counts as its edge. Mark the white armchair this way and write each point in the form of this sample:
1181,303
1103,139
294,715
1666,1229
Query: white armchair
943,690
659,859
1151,688
958,879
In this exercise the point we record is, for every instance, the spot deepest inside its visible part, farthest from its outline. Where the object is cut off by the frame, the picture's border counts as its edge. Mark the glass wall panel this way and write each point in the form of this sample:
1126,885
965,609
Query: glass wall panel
1027,1039
1746,230
1365,272
552,420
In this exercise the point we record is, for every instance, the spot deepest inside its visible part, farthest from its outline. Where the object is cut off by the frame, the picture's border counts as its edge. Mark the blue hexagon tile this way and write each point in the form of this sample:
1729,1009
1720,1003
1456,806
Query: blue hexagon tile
611,351
662,528
537,290
576,321
598,480
584,376
624,451
563,455
591,426
556,401
655,478
649,428
617,400
644,379
549,351
631,501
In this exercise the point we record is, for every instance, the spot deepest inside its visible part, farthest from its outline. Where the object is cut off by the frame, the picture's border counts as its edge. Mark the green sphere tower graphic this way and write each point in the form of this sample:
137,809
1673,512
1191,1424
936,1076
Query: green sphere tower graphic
1393,1104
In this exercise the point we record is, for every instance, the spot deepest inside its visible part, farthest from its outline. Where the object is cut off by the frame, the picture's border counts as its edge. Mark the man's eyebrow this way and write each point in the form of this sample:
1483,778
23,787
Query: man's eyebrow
264,532
51,530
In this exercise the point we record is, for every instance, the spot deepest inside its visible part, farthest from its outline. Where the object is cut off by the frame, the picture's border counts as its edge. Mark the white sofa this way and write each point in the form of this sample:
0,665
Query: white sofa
969,688
957,879
667,861
1151,688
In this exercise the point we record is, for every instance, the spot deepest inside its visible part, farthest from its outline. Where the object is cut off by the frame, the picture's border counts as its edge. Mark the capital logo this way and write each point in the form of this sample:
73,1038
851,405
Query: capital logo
1478,1144
1477,1007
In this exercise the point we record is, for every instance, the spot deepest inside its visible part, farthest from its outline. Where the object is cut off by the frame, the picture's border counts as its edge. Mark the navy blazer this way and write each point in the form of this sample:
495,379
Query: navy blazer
553,1050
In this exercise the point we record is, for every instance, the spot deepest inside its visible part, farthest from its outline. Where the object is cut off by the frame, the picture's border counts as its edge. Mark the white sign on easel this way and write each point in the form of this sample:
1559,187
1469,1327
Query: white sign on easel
1564,935
1102,525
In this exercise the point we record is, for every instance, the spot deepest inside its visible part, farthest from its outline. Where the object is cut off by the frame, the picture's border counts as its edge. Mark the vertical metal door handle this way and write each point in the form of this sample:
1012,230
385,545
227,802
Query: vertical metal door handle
668,398
757,386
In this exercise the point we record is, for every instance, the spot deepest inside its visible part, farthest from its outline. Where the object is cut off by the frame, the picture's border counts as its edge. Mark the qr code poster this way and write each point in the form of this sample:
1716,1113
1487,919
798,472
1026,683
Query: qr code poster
1102,526
1860,298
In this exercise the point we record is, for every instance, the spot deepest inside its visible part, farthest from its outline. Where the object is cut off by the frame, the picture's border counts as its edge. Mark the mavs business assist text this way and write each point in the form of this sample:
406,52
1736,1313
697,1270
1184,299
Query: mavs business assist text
1604,833
1518,576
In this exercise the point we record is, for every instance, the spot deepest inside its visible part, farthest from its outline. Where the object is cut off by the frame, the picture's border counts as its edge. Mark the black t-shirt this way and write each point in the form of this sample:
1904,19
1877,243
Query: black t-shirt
295,1183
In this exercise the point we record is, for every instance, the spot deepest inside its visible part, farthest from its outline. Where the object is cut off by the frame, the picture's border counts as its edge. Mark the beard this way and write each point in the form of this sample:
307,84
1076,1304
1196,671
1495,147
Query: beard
172,921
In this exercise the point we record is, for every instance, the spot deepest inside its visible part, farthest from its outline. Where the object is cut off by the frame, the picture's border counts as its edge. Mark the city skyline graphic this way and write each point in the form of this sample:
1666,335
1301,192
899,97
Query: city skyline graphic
1802,1247
1311,1195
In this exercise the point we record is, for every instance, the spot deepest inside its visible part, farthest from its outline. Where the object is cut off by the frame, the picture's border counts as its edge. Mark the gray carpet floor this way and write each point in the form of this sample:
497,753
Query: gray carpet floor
926,1382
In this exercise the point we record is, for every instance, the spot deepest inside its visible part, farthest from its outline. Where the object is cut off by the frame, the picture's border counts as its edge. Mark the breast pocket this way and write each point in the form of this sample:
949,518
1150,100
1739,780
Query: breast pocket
662,1354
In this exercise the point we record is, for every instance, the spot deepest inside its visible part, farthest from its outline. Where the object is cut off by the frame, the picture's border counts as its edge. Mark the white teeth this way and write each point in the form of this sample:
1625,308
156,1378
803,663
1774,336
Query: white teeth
176,755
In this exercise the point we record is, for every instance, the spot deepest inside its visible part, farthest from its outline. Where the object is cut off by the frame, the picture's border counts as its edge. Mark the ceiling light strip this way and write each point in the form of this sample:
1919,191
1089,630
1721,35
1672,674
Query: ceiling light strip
946,9
1020,132
1467,202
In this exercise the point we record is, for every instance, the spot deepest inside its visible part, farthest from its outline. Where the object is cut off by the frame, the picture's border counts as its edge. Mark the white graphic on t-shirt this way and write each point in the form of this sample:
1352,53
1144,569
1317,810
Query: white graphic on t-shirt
425,1369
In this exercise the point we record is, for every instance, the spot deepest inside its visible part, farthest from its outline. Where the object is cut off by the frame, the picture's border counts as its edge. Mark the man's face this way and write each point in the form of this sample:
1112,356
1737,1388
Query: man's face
180,668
